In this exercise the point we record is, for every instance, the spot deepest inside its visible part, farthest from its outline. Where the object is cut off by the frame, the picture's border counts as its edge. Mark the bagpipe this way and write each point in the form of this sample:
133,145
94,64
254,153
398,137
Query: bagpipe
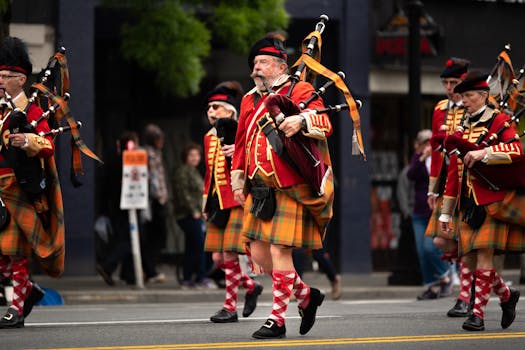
51,93
300,151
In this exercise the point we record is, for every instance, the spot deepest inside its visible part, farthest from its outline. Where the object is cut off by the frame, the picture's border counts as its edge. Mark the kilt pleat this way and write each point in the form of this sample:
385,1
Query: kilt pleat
228,239
511,209
493,233
26,234
290,226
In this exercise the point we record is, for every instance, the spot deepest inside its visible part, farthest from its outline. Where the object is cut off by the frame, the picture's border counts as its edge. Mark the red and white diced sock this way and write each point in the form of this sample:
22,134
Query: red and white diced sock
466,278
281,291
484,283
233,273
20,283
500,288
301,291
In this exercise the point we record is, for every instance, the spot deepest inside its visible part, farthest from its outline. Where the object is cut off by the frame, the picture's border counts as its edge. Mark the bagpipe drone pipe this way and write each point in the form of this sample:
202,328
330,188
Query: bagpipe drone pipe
51,93
301,151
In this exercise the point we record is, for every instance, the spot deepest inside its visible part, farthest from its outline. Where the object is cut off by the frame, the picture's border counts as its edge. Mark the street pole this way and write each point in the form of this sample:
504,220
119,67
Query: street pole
135,248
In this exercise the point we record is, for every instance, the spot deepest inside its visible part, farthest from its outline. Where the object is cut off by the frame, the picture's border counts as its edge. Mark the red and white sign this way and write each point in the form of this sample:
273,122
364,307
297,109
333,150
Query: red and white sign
134,194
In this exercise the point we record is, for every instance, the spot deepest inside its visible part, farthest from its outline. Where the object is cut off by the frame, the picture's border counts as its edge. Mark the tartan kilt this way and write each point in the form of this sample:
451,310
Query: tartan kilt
434,225
511,209
493,233
300,220
228,239
25,235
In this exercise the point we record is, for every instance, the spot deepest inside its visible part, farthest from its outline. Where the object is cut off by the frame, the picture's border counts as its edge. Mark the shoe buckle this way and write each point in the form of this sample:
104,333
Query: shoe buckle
269,324
8,317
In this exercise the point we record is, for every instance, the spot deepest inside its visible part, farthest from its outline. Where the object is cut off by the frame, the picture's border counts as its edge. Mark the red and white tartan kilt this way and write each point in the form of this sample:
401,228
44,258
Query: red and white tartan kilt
511,209
434,225
228,239
493,233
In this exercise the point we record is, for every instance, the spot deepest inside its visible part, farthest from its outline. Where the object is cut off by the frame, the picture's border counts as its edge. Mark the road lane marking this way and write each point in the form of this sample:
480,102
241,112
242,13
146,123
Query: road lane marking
126,322
315,342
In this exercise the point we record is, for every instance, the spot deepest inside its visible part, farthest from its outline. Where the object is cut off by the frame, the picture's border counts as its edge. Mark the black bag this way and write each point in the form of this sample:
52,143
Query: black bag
474,215
219,217
4,215
263,206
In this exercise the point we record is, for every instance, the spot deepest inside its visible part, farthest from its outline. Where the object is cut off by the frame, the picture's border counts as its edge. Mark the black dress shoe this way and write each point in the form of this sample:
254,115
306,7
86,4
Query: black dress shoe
34,297
427,295
474,323
509,308
250,300
105,275
12,319
308,313
270,330
461,309
224,316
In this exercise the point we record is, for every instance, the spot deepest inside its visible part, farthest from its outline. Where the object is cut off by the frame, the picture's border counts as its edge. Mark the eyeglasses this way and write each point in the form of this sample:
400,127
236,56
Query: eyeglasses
214,106
8,76
452,82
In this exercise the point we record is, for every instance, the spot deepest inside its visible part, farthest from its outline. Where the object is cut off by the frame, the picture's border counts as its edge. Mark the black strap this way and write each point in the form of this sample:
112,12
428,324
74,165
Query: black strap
272,134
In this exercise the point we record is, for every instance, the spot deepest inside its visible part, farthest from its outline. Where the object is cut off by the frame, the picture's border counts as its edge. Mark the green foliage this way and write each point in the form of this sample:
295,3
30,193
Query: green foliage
4,5
171,42
242,22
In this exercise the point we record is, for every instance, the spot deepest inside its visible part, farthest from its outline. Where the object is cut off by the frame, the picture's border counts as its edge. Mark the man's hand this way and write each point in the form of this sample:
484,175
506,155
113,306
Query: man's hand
445,227
238,195
17,140
473,156
228,150
291,125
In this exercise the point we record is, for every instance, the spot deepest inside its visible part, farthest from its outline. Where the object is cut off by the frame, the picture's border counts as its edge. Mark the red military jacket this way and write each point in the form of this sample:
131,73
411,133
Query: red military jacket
499,153
217,166
444,120
252,150
38,146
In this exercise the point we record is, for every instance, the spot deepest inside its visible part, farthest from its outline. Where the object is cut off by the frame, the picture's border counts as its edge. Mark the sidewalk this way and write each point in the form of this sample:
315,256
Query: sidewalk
93,290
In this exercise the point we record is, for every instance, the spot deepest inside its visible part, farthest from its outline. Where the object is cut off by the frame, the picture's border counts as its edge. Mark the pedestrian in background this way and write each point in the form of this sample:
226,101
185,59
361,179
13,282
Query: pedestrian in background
188,184
154,217
435,272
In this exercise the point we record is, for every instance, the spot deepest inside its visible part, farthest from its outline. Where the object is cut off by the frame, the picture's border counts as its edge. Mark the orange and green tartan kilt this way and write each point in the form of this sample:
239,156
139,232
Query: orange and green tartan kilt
228,239
511,209
291,225
25,234
493,233
434,225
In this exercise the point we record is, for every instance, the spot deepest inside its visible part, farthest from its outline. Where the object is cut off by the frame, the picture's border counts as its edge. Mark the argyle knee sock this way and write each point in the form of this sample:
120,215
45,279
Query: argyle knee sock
247,283
466,278
233,274
484,283
500,288
20,283
301,291
282,289
5,267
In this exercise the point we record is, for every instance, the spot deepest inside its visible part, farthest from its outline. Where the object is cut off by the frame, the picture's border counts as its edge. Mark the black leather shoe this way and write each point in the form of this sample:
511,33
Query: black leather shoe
270,330
427,295
250,300
224,316
308,313
105,275
509,308
12,319
461,309
474,323
34,297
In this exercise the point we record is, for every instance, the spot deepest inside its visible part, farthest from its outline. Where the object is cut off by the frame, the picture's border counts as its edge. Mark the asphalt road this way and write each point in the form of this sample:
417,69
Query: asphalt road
364,324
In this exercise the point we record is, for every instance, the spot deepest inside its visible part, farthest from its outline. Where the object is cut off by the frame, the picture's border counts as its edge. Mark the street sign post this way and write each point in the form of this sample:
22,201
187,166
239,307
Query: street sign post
134,195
